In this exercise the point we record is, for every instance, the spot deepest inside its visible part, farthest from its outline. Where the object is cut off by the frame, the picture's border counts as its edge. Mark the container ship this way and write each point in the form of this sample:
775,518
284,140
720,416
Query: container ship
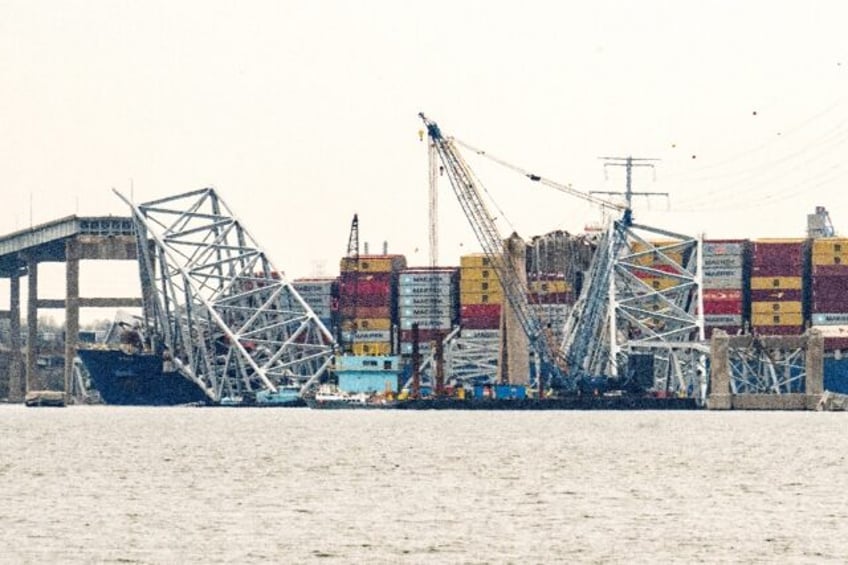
137,378
761,287
387,317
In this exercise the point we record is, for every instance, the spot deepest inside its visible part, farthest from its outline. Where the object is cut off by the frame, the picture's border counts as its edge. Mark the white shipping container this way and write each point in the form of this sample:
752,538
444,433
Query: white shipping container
425,312
359,336
722,273
427,279
722,262
439,301
423,347
426,323
721,248
723,283
830,318
425,290
722,320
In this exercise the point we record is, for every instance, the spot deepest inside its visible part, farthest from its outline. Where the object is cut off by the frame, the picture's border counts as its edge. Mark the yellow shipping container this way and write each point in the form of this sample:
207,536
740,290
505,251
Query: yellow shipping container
781,283
675,255
767,240
549,286
777,319
830,246
373,264
787,307
833,258
372,348
481,298
475,260
661,283
367,324
477,273
485,285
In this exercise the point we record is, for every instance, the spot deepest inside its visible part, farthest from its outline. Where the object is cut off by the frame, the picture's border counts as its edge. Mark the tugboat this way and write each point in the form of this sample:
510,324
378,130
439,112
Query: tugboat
329,396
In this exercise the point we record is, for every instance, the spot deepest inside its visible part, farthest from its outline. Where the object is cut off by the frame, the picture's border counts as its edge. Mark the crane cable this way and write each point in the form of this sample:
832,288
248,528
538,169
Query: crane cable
566,188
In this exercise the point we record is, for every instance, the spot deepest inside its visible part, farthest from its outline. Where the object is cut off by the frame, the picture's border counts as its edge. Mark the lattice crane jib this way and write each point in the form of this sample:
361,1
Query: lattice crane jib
229,318
465,187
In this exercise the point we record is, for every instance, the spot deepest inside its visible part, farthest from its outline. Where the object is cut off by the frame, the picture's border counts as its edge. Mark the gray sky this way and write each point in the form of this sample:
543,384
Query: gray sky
302,113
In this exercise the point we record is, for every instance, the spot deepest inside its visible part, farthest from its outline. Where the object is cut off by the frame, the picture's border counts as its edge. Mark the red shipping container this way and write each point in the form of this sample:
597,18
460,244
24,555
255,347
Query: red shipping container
833,343
423,335
481,323
353,277
778,252
778,330
830,271
829,295
366,287
722,295
777,270
790,295
365,300
665,268
480,310
722,307
825,306
357,312
830,284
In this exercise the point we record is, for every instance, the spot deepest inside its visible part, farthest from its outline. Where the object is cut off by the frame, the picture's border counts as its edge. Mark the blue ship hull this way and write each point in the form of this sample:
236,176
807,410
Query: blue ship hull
137,380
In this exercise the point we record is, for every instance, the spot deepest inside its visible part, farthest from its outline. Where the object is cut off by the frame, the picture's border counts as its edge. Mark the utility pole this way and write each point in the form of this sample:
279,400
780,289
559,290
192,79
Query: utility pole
628,163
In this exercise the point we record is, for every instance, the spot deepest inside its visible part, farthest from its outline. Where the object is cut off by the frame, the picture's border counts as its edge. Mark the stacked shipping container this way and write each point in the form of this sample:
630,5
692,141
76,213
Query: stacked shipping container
429,298
725,285
829,290
322,295
480,293
368,303
778,271
655,262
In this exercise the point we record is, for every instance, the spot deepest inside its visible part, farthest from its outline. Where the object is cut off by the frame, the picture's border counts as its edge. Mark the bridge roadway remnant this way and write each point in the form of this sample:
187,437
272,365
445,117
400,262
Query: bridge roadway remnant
67,240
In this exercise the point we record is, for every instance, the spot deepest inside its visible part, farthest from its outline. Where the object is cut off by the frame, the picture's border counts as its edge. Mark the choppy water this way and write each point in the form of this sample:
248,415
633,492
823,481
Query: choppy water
194,485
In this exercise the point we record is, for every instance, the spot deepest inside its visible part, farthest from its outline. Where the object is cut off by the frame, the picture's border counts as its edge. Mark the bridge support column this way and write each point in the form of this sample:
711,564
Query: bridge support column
720,397
514,361
32,380
16,384
814,384
71,310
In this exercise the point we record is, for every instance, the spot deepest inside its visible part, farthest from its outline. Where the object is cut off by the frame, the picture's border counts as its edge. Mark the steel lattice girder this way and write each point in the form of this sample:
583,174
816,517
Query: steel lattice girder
666,315
756,370
231,319
620,313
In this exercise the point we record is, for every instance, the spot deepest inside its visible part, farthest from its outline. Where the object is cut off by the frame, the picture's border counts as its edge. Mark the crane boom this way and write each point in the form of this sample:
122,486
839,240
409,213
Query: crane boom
466,190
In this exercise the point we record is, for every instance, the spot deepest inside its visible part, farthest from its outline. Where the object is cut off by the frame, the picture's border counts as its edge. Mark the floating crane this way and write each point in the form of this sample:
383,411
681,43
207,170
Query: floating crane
552,369
618,313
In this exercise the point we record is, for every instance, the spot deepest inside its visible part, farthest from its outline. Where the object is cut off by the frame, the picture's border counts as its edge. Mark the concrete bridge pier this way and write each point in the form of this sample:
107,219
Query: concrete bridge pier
68,240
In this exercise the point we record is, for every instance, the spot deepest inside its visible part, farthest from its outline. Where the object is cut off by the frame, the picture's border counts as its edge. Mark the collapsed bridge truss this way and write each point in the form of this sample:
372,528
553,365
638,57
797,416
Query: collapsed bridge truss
216,305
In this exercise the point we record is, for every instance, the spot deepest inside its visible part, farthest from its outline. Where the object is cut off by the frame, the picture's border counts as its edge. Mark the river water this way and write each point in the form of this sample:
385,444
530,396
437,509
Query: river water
99,484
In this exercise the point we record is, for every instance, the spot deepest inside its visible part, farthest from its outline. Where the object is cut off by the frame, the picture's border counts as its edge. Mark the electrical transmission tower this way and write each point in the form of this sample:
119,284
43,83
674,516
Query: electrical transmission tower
628,163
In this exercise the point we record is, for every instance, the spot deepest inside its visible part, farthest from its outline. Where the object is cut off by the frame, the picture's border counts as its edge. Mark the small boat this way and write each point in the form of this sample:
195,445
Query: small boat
284,397
45,398
331,397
